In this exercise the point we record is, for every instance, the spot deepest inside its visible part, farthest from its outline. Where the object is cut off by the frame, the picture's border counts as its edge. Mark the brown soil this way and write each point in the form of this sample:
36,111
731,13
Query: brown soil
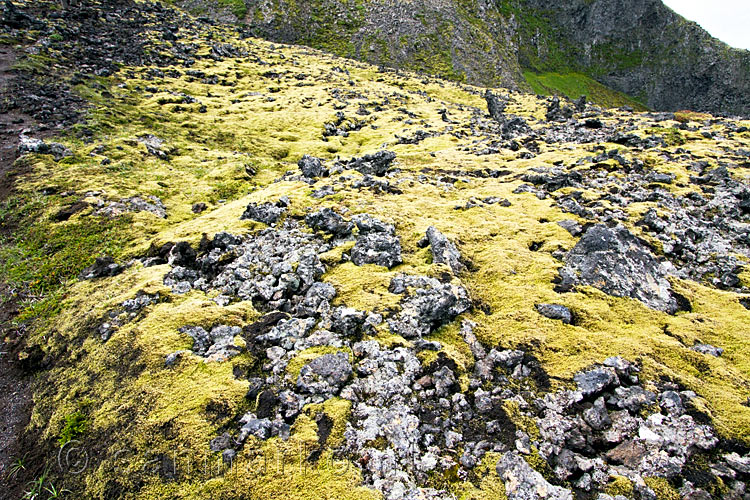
15,386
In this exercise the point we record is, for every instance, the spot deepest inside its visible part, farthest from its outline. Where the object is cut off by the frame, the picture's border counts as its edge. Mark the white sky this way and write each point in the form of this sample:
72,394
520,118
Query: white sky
727,20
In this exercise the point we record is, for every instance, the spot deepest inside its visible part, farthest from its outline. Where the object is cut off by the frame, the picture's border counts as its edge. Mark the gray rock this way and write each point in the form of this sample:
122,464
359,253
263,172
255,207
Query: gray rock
671,402
524,483
597,416
431,305
443,251
555,311
171,359
369,224
156,146
28,145
221,443
373,164
617,263
347,321
595,381
634,398
739,463
382,249
708,350
571,226
330,222
325,374
317,299
103,267
251,426
267,213
311,166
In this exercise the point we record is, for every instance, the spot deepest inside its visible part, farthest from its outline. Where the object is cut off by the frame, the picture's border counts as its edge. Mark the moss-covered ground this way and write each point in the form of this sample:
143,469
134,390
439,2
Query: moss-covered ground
147,427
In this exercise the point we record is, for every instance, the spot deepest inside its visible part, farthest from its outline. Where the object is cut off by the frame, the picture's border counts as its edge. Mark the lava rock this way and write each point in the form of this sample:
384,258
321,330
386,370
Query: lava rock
431,305
524,483
103,267
555,311
595,381
330,222
376,164
381,248
28,145
443,251
267,213
311,167
325,374
619,264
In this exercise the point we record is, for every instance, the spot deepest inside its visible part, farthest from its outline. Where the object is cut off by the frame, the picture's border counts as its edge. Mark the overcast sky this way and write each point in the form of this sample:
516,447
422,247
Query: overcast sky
727,20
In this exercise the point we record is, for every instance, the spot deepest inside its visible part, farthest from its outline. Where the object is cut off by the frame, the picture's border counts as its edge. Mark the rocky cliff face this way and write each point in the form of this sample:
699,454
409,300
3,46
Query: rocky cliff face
640,48
645,49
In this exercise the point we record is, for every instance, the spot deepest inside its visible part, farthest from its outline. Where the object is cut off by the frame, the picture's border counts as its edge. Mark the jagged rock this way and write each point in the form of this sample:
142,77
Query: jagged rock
708,350
431,305
739,463
495,106
616,262
373,164
133,204
555,311
634,398
557,113
596,380
317,299
218,345
368,224
221,443
376,244
329,221
311,167
28,145
347,321
325,374
443,251
103,267
252,426
172,358
267,213
571,226
156,146
524,483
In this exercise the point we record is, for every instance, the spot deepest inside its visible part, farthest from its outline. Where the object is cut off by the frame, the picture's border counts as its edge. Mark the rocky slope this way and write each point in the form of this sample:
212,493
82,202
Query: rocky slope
248,270
640,48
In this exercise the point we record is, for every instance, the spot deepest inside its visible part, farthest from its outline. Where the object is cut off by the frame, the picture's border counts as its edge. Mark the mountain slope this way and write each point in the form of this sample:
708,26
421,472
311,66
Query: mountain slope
251,270
639,47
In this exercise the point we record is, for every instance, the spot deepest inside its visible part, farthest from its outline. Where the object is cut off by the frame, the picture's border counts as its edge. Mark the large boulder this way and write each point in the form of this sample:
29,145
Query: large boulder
619,264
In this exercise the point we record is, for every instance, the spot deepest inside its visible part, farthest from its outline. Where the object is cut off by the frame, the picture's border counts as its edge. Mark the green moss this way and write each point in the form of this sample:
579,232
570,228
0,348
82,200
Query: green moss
575,85
75,425
662,488
238,7
619,485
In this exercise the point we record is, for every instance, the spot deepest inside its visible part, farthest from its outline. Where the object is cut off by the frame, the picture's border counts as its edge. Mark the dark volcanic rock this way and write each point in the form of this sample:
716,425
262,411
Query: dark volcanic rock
555,311
329,221
619,264
373,164
443,251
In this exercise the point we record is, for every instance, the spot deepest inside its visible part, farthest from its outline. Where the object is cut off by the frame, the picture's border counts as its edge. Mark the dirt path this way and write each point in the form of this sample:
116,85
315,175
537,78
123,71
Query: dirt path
15,386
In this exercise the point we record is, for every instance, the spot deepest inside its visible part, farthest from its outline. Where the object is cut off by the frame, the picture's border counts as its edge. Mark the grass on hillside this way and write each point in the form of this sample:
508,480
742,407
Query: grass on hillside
574,85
